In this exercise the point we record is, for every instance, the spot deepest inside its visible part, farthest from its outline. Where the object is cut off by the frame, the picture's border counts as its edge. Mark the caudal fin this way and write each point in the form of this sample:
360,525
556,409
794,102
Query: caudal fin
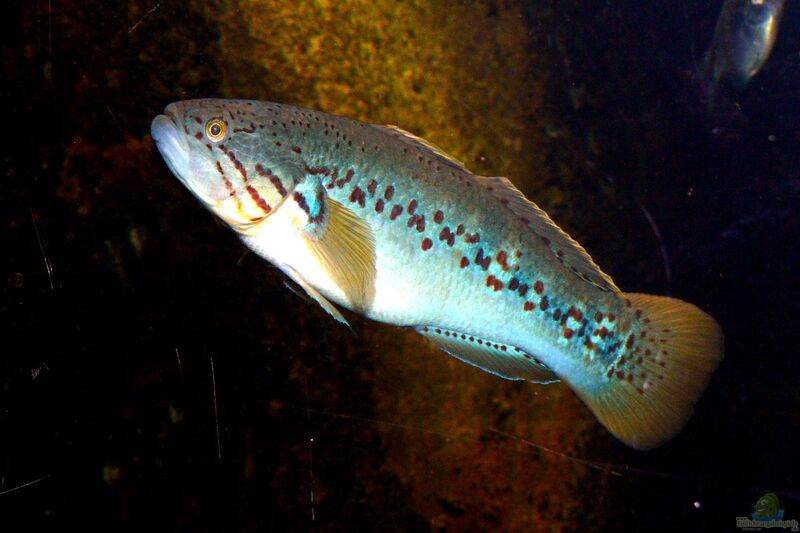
648,394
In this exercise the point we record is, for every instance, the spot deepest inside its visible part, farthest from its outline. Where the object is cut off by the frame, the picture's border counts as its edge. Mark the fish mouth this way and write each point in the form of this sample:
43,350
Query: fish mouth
171,142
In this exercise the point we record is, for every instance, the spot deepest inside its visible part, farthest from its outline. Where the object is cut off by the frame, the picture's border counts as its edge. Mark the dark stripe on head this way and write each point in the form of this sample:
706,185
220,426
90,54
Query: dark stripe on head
301,201
258,199
238,164
275,180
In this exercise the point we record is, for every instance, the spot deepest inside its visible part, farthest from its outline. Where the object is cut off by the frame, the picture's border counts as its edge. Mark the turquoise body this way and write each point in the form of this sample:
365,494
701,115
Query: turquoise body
379,221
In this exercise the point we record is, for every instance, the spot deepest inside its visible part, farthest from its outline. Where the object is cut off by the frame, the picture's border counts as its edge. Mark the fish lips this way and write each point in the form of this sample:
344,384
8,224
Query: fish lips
176,151
172,144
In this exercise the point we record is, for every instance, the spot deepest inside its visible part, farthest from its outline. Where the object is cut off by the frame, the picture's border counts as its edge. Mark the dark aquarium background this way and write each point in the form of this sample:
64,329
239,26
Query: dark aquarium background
155,374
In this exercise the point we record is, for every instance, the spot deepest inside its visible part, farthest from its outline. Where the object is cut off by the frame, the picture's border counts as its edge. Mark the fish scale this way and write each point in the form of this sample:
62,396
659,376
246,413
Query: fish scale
379,221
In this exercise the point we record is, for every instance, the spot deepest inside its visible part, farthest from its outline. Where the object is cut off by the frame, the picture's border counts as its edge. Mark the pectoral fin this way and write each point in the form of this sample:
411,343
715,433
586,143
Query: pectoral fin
316,296
343,244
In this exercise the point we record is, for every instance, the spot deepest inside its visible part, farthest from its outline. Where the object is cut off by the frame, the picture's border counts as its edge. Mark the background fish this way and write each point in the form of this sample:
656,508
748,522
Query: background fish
376,220
743,40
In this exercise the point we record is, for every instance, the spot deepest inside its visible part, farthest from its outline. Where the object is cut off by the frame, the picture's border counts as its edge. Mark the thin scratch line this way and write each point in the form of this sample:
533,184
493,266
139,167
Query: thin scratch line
310,452
50,28
216,415
178,356
47,264
605,467
28,484
661,244
144,17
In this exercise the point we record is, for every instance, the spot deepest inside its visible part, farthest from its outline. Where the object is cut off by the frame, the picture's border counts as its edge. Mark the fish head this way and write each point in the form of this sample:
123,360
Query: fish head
216,149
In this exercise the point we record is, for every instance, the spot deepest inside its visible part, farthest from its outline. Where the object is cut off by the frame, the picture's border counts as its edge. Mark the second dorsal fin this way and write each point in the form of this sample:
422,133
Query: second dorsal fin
564,247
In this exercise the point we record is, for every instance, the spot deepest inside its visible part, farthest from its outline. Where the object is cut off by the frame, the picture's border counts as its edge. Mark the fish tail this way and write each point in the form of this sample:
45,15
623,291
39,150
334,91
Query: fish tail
649,392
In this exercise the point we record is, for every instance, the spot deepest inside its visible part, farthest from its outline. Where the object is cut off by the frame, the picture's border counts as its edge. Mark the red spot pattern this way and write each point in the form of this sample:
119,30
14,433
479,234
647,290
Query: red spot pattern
481,260
396,210
426,244
438,217
538,287
373,185
447,235
314,171
502,258
358,196
379,205
464,262
345,180
388,193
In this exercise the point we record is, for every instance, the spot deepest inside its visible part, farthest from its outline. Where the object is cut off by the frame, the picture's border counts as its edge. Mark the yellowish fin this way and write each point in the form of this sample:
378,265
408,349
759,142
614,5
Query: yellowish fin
500,359
690,346
316,296
345,247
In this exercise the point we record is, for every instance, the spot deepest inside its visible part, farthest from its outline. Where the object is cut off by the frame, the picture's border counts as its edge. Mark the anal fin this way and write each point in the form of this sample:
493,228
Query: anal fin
503,360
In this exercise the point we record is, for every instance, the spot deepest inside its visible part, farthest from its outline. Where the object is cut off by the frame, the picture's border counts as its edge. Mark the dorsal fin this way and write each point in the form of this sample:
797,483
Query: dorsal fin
497,358
422,143
564,247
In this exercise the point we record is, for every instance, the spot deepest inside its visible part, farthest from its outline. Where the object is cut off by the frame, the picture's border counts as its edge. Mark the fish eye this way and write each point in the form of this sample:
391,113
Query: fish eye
216,130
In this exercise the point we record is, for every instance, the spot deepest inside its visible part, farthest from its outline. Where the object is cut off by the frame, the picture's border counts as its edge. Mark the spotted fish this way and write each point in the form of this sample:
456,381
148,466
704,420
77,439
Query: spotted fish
376,220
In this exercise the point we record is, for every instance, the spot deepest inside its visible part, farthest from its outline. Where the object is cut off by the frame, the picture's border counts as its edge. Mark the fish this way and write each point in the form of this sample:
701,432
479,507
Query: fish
743,40
768,507
376,220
